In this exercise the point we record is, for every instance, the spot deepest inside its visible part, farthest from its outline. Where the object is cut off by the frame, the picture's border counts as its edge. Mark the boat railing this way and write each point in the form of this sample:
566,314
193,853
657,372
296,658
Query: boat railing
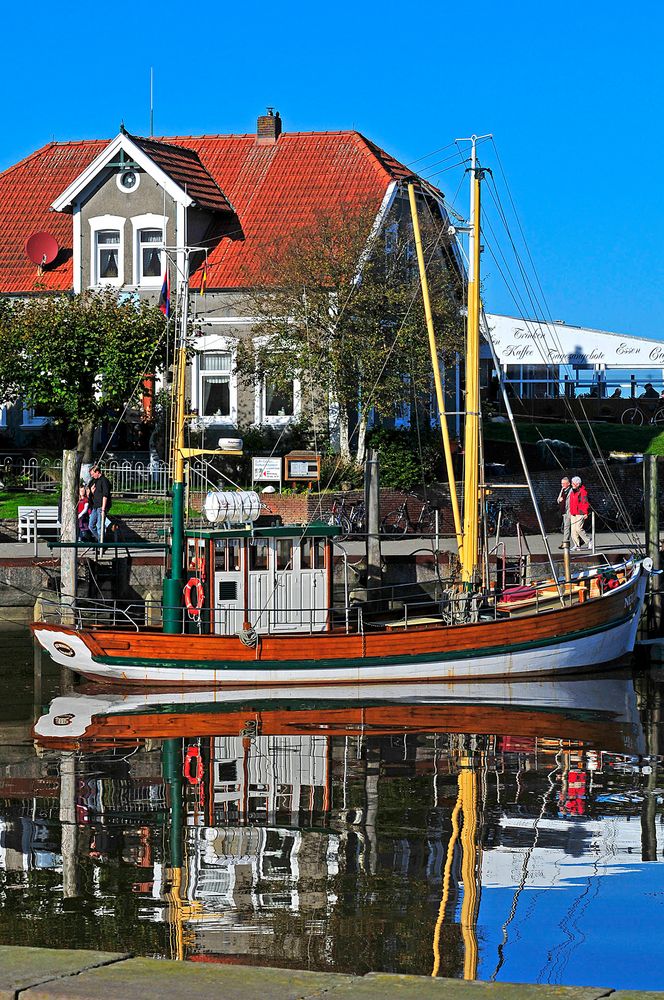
85,613
380,609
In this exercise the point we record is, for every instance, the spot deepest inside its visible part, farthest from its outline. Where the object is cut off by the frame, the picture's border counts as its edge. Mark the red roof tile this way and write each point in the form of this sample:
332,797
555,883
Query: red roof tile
273,189
184,167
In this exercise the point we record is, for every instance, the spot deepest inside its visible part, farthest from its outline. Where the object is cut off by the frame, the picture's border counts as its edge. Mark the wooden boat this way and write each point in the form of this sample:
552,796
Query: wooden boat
257,606
591,631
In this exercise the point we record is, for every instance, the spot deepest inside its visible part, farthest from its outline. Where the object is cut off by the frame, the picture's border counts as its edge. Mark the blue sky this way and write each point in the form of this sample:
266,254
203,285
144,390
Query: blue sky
571,92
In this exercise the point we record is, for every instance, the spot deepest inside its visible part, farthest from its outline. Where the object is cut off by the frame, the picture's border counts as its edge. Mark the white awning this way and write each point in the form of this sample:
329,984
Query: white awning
531,342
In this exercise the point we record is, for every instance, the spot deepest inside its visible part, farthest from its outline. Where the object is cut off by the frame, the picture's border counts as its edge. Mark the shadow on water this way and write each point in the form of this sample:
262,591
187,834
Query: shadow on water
488,831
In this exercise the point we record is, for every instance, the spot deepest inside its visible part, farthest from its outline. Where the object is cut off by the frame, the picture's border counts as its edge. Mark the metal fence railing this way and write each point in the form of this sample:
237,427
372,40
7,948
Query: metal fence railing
44,475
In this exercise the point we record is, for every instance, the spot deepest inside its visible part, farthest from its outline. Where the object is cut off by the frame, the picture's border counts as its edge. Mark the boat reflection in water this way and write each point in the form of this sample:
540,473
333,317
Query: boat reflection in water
363,831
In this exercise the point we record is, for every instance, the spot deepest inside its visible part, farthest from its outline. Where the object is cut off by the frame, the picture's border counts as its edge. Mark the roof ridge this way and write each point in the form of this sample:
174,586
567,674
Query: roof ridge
153,141
370,148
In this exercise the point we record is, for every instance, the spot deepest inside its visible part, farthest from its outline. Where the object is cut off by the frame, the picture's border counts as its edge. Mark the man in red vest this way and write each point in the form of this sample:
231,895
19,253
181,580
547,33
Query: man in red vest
578,512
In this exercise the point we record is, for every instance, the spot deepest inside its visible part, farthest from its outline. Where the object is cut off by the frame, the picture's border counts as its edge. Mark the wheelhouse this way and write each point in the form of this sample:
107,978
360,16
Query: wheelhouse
271,579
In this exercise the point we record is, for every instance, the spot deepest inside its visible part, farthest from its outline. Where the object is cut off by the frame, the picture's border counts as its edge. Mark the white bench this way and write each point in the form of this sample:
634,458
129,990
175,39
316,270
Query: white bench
34,521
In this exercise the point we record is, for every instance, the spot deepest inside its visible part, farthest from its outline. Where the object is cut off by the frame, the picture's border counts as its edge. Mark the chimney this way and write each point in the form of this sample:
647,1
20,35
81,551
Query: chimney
268,127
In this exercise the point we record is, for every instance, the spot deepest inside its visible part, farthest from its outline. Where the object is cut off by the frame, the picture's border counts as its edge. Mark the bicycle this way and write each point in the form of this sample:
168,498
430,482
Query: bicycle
338,515
352,520
499,517
399,521
636,416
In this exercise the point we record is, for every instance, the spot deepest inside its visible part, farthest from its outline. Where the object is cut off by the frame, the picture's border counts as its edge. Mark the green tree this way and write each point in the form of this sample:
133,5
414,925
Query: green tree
79,358
339,306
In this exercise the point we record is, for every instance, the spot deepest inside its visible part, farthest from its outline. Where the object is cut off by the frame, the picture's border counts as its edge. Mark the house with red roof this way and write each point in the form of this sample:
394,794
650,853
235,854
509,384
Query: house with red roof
117,213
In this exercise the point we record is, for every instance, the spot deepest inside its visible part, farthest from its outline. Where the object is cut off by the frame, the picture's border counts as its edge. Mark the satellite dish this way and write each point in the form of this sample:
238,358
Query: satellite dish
41,249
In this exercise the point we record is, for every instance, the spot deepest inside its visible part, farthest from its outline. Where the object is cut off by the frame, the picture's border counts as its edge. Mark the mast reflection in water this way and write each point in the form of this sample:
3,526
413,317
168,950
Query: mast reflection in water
491,831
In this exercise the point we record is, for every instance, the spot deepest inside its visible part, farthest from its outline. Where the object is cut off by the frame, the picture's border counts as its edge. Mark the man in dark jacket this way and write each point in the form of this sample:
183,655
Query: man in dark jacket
101,502
563,502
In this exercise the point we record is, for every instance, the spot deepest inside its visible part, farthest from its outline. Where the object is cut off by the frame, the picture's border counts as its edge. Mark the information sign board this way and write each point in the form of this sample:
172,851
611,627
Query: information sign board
266,470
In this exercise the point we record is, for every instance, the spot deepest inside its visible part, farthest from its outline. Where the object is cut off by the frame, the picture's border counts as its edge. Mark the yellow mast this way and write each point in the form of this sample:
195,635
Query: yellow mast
466,808
470,902
440,397
471,491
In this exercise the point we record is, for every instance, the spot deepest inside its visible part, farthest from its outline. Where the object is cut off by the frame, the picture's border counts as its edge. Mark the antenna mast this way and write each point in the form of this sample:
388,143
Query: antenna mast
151,101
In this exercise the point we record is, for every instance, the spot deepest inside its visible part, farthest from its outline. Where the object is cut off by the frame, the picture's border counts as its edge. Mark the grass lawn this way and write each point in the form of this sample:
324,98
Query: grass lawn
611,437
10,502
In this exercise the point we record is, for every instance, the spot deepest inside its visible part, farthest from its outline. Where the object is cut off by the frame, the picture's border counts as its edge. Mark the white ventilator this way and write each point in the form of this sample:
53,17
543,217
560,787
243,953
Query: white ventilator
240,507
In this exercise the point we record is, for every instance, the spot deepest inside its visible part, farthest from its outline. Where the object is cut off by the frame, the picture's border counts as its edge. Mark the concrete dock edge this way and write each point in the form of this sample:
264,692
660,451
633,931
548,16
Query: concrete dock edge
49,974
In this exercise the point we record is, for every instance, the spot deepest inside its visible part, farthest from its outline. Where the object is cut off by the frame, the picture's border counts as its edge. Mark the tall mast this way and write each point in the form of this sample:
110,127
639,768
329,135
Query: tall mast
435,364
471,491
172,584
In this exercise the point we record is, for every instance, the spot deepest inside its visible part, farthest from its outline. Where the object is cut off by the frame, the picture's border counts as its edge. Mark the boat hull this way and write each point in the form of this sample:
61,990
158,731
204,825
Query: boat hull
566,639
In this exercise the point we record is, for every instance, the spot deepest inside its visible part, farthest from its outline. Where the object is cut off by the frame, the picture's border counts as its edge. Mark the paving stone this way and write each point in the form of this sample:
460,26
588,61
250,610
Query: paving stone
637,995
145,978
21,968
380,985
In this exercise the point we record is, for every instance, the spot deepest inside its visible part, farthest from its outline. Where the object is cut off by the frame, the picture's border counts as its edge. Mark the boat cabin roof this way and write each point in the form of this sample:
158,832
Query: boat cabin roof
313,530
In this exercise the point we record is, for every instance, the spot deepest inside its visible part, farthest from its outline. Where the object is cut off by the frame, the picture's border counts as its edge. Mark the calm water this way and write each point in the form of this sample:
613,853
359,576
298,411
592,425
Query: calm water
517,839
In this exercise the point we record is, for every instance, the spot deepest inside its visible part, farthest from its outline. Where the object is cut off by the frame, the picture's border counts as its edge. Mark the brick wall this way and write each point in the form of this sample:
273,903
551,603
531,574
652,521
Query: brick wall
628,478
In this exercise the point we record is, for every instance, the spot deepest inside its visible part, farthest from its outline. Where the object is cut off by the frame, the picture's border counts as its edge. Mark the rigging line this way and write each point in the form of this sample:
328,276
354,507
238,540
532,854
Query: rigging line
602,469
524,870
414,297
632,538
133,393
611,485
441,149
450,204
457,154
444,170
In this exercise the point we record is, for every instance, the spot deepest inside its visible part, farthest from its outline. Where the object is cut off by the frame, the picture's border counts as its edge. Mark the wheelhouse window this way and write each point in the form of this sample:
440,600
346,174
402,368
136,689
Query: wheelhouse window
150,256
108,255
284,554
312,553
215,372
258,554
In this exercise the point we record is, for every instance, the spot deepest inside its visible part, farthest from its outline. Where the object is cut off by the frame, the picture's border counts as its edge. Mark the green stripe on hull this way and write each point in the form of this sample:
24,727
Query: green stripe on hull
440,657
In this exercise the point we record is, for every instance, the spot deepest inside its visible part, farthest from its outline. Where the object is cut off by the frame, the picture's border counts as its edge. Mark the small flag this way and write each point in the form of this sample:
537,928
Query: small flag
165,296
204,278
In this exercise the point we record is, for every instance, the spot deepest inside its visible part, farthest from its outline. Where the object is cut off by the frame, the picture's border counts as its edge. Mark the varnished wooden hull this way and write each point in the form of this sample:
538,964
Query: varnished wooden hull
562,639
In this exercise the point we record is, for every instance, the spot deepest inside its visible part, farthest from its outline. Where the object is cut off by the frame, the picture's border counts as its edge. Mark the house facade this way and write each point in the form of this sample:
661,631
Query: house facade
123,211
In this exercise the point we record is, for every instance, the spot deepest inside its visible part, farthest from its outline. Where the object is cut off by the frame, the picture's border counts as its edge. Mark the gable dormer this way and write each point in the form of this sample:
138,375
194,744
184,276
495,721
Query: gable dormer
135,198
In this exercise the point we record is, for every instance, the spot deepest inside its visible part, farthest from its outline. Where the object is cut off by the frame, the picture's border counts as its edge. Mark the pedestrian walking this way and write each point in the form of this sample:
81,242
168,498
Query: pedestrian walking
579,508
101,502
563,503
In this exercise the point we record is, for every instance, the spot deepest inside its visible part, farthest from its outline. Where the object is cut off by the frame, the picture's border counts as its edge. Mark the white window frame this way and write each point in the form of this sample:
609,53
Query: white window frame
216,345
139,223
30,420
97,225
260,406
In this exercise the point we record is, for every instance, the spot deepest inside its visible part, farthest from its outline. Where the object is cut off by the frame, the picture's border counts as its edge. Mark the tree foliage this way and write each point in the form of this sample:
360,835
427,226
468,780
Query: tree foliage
341,308
78,357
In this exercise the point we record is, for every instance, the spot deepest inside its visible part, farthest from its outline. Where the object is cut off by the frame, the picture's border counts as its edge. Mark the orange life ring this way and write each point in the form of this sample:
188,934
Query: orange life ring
193,585
193,776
